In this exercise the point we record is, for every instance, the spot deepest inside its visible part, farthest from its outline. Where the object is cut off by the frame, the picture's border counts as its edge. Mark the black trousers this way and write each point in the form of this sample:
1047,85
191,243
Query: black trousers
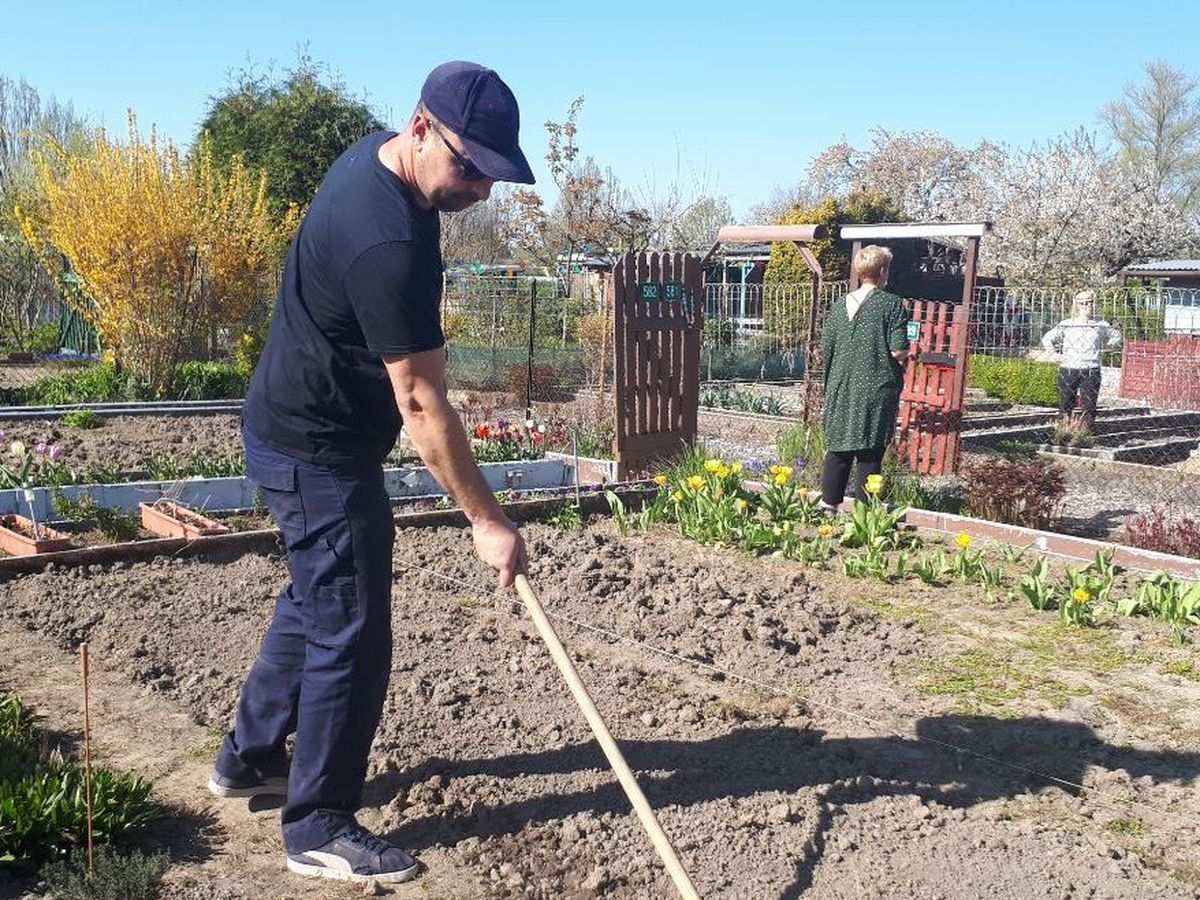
1083,383
835,473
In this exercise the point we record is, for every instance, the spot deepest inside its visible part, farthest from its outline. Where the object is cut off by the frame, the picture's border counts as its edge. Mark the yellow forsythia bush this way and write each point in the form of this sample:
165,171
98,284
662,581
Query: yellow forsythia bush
162,249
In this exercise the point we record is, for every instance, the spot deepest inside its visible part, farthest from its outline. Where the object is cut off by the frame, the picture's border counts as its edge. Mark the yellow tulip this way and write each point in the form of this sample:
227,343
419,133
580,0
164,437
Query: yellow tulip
677,496
963,540
660,480
722,472
695,482
712,465
874,484
1081,595
741,505
737,468
780,479
825,530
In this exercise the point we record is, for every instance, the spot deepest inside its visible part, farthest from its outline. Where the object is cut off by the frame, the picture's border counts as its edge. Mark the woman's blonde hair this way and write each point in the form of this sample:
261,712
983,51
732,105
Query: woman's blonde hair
870,262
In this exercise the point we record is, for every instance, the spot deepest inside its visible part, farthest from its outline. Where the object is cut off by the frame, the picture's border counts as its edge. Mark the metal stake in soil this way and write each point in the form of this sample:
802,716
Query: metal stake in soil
604,737
87,753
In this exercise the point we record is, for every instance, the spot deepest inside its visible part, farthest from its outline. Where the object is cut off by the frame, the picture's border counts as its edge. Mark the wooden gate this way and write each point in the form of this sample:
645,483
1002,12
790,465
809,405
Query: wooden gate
658,315
929,424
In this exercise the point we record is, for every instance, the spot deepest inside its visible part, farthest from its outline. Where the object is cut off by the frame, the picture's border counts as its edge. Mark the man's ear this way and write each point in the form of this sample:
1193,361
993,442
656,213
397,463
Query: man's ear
418,125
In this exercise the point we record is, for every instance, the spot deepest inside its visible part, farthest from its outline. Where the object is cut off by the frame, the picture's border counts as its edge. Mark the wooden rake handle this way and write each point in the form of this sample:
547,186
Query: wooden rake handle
624,775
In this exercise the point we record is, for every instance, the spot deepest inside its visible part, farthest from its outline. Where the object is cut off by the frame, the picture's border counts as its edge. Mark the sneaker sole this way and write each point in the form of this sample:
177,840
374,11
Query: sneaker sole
275,787
308,871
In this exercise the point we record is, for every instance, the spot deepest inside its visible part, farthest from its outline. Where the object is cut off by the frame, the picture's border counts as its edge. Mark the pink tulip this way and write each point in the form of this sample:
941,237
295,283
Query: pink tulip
55,453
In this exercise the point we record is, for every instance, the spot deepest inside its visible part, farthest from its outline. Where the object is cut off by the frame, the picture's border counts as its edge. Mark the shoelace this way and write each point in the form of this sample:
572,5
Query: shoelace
360,837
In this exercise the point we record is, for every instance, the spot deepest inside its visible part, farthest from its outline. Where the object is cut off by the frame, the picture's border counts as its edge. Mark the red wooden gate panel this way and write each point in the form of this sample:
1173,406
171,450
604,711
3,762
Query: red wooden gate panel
929,424
657,317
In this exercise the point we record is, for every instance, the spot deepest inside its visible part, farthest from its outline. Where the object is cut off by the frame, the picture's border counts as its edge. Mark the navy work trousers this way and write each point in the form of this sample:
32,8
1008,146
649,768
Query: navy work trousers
322,671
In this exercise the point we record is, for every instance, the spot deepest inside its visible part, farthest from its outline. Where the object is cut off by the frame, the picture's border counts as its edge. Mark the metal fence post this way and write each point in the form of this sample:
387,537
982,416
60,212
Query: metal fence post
529,361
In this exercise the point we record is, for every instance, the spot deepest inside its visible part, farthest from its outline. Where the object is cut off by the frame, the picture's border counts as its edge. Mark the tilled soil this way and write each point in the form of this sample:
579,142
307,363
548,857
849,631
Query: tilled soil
126,442
894,741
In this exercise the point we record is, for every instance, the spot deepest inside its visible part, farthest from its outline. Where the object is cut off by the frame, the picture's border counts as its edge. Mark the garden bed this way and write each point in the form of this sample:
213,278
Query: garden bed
830,774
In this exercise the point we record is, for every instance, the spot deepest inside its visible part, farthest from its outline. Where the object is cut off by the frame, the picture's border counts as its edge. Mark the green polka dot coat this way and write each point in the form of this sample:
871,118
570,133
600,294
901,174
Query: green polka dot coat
862,379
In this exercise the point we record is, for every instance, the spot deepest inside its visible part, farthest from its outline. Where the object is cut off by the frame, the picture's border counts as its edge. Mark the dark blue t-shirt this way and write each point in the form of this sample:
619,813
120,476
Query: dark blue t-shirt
363,278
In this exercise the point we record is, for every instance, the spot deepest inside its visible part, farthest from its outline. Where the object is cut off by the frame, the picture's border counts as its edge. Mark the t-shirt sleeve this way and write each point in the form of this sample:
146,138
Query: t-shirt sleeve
396,297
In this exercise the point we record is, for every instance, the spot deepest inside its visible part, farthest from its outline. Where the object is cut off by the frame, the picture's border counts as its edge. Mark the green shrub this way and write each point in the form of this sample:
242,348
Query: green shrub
208,381
44,814
747,362
115,876
82,418
1015,380
249,348
43,340
18,741
95,384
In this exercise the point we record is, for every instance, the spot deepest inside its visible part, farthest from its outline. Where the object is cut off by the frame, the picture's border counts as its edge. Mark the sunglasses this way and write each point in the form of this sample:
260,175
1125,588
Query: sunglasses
468,169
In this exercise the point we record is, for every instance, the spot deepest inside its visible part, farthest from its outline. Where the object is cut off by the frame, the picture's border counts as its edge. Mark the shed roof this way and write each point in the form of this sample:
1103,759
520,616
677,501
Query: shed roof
1164,267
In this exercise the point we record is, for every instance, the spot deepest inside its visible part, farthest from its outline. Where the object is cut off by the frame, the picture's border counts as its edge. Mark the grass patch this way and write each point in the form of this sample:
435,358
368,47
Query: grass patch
976,675
116,876
82,418
898,611
986,682
1188,873
1129,709
1092,649
1130,827
206,750
1058,695
1183,668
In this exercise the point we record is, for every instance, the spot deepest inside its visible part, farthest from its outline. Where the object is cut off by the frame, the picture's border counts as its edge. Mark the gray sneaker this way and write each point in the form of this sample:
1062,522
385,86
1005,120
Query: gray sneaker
356,855
251,786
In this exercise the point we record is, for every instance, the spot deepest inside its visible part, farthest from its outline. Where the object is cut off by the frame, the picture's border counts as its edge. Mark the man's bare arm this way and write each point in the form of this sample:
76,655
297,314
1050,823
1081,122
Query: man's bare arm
419,384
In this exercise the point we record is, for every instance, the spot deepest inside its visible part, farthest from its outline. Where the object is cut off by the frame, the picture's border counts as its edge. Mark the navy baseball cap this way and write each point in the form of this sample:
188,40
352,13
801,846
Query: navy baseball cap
475,104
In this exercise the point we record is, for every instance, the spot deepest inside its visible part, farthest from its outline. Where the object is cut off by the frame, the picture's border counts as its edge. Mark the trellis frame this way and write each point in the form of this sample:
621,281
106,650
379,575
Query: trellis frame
801,236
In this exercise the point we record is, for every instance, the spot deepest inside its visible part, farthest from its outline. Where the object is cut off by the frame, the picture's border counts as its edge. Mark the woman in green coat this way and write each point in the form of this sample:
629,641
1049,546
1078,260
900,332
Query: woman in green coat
864,346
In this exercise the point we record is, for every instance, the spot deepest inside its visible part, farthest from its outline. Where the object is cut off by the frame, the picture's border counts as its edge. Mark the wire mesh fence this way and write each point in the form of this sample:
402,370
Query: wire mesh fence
526,338
1106,386
760,332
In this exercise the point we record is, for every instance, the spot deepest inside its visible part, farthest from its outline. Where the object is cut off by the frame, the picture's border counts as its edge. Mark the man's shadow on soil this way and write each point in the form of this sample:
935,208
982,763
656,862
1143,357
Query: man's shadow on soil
1035,752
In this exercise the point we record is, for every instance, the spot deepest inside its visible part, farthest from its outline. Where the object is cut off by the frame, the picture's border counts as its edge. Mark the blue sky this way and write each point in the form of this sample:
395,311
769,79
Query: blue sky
737,95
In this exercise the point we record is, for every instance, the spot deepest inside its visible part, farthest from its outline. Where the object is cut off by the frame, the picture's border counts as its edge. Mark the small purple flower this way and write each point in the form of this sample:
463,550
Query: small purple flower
55,452
3,436
799,463
40,449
